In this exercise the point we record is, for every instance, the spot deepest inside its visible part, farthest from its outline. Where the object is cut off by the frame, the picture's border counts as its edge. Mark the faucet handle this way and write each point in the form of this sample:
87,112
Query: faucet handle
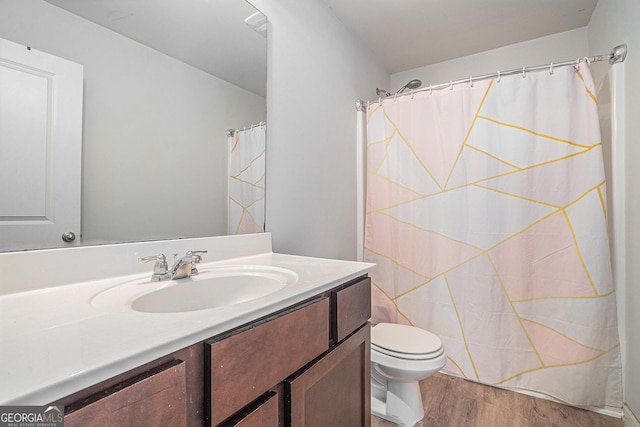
189,253
194,255
160,267
196,259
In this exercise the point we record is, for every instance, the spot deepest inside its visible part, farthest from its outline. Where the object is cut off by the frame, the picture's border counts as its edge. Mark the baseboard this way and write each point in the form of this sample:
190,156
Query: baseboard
629,419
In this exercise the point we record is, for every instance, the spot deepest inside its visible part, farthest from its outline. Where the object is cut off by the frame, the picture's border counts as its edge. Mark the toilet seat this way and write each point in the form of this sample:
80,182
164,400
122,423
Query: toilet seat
405,342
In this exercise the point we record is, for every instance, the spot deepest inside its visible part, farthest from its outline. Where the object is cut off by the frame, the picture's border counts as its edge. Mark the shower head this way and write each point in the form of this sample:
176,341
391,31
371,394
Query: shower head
382,92
413,84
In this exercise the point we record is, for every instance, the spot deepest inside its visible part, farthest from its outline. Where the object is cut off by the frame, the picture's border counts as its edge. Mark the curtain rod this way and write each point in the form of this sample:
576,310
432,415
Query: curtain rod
618,54
230,132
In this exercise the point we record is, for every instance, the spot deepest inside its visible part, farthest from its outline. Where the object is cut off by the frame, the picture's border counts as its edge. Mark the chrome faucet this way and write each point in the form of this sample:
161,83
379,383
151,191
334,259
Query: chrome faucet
183,267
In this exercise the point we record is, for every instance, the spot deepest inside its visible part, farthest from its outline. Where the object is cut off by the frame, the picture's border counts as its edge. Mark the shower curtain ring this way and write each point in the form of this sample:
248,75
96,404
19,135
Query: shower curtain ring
395,97
576,67
412,93
551,69
499,77
430,89
524,73
450,84
471,81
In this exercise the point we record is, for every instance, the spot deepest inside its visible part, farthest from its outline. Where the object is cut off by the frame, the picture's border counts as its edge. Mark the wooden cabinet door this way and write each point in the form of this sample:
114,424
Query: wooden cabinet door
242,366
155,398
265,412
335,390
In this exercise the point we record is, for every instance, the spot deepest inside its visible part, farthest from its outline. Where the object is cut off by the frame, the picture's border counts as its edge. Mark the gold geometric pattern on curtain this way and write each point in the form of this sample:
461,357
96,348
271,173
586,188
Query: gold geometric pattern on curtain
486,215
246,180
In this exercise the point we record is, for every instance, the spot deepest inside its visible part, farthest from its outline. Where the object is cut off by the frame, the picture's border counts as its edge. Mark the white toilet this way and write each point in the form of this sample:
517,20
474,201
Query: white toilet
401,356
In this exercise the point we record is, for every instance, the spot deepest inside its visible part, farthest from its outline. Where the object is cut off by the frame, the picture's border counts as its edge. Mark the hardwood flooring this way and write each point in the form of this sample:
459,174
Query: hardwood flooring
454,402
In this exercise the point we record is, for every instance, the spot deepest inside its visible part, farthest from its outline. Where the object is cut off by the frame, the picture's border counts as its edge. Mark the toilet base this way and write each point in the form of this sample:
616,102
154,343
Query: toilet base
398,402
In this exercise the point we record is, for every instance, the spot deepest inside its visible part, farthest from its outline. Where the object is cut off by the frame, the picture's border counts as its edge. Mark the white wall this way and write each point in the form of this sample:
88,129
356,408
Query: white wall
555,48
316,72
615,22
139,180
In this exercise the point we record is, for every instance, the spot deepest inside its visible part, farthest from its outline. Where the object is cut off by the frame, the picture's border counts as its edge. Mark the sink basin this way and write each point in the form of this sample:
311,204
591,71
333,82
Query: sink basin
213,287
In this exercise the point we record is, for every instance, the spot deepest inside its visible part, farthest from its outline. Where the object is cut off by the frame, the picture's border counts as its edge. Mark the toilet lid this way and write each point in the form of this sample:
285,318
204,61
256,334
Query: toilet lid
404,339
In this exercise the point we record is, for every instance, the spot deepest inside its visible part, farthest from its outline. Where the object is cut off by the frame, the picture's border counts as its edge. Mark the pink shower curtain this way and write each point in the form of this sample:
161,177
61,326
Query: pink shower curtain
246,180
486,216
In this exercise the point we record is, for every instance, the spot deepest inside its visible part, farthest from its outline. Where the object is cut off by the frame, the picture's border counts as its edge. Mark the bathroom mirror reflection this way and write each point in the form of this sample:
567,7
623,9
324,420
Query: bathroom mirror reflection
162,83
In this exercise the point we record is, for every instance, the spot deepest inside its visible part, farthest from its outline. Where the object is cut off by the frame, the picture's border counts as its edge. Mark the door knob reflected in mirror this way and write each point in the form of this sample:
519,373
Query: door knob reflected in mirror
69,236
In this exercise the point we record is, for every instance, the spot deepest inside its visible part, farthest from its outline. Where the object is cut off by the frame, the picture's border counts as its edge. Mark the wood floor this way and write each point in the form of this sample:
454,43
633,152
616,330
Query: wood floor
455,402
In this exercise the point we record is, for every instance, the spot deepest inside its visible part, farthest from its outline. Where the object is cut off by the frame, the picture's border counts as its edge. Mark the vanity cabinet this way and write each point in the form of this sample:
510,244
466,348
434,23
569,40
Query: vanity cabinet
335,390
317,352
165,392
156,397
241,366
307,365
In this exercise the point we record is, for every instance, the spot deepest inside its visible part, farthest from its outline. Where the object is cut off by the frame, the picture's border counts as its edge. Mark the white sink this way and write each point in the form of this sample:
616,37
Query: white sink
213,287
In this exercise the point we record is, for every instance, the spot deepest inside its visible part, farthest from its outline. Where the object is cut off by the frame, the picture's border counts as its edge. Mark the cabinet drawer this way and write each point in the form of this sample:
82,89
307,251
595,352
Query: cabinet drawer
245,365
154,398
352,308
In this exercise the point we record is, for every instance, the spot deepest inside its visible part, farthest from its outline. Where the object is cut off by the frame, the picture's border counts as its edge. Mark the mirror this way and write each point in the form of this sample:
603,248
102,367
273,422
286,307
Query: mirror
163,81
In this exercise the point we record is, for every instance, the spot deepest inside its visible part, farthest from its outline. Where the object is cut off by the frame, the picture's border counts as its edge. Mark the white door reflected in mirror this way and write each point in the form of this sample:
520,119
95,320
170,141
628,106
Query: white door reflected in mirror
40,147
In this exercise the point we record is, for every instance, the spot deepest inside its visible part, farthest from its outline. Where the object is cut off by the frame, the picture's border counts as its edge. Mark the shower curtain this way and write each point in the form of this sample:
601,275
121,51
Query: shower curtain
246,180
485,213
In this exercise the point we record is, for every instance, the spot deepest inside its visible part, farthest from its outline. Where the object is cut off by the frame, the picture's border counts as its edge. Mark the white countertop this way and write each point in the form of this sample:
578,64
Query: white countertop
53,342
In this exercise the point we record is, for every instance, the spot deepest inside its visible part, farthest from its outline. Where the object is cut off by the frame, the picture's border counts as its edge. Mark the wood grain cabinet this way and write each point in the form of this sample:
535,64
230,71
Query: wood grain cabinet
334,390
154,398
318,352
242,366
307,365
264,412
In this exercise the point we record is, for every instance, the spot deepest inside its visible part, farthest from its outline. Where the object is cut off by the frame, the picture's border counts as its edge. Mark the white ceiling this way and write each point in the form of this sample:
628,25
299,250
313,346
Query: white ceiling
209,35
406,34
401,34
